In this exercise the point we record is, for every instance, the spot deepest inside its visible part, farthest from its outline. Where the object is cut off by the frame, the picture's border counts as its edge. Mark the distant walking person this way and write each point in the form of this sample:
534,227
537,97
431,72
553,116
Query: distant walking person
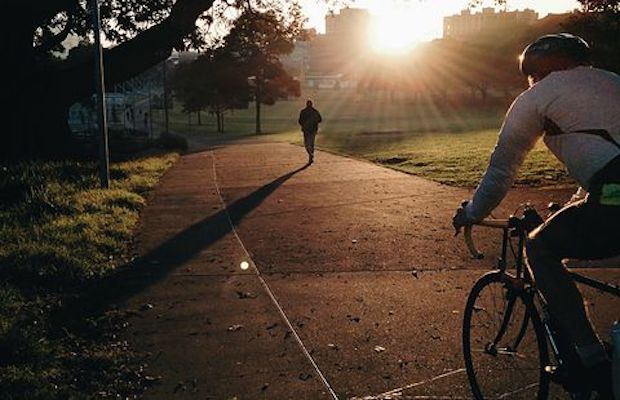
309,119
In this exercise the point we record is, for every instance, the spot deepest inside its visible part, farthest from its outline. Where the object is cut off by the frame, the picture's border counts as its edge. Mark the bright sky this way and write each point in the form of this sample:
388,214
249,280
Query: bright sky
421,20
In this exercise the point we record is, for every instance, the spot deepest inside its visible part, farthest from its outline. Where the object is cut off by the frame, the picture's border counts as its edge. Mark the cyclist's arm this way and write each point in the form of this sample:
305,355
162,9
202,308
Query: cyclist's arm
521,129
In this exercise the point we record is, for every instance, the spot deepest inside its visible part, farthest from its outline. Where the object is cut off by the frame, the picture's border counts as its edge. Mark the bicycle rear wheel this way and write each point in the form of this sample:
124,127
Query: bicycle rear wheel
504,344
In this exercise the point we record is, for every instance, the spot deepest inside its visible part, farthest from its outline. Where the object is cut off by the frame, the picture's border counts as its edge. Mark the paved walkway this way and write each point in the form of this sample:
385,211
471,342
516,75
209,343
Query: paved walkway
359,260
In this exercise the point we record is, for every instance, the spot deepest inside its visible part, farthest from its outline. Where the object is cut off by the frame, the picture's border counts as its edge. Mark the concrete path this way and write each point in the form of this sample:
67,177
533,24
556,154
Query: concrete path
359,260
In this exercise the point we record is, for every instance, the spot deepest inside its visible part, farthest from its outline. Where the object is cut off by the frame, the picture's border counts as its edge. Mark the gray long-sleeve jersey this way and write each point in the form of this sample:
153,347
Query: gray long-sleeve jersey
569,107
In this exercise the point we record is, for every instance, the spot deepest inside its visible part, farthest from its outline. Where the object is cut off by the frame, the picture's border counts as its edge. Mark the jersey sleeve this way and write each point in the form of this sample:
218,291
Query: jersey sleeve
522,127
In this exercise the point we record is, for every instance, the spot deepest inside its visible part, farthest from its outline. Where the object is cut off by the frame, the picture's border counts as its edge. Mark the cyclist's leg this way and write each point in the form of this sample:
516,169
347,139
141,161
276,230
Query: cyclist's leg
582,231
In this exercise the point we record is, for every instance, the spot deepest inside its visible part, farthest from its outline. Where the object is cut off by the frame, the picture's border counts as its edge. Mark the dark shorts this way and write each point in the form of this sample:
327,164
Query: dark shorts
585,230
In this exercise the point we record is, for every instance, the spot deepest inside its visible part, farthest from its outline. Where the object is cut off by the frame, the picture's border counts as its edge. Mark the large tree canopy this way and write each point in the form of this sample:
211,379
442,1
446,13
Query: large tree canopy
139,33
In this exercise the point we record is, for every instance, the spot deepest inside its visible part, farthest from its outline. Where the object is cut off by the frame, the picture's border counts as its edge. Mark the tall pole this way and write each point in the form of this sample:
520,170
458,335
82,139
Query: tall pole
166,99
150,113
104,155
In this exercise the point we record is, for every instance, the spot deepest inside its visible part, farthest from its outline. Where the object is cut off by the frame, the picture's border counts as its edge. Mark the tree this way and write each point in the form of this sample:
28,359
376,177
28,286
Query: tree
598,22
40,89
600,6
215,82
255,41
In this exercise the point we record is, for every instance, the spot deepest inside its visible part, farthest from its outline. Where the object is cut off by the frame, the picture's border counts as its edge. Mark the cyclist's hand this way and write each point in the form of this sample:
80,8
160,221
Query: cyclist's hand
460,218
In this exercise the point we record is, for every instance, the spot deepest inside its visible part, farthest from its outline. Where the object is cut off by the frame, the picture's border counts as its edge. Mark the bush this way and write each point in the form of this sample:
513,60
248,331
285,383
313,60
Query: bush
171,141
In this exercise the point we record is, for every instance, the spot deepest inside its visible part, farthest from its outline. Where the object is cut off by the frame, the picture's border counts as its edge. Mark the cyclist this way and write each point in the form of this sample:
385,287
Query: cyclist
576,109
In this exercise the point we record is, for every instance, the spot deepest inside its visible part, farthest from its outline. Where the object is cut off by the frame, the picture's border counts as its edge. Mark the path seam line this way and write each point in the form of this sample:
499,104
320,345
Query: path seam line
267,288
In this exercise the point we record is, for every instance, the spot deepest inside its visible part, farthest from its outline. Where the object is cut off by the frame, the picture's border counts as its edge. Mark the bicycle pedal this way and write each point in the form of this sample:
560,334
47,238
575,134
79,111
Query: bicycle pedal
564,377
556,374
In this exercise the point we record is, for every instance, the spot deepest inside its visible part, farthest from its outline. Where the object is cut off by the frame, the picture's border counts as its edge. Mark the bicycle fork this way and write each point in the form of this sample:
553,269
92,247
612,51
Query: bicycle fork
515,288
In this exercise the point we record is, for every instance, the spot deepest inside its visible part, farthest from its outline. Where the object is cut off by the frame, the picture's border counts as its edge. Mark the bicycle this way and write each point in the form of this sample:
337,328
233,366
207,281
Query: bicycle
507,328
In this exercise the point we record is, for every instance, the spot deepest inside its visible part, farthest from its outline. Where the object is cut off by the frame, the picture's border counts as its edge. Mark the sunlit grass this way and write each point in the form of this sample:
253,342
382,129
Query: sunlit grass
59,230
454,158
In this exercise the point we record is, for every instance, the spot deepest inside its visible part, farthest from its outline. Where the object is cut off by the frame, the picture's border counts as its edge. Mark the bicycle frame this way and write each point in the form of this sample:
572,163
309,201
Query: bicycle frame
522,282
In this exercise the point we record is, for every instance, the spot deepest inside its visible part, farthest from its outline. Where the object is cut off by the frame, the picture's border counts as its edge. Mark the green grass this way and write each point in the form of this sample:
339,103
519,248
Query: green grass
60,231
445,142
453,158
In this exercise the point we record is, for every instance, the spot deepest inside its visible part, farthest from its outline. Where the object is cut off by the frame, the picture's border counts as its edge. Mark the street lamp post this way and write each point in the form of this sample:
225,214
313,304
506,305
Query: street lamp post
166,120
104,156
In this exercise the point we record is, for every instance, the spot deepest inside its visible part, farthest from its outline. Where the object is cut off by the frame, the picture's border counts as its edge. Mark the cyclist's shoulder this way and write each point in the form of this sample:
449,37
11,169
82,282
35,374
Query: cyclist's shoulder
576,79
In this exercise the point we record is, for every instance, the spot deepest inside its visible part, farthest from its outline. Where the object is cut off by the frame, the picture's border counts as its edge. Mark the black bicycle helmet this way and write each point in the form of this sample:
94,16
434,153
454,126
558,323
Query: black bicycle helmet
540,55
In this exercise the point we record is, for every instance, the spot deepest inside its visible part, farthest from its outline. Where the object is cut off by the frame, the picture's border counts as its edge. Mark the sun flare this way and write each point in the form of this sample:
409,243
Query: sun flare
396,30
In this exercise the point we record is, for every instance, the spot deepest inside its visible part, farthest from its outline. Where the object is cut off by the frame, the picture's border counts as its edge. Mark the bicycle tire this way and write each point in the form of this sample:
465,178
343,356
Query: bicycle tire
524,376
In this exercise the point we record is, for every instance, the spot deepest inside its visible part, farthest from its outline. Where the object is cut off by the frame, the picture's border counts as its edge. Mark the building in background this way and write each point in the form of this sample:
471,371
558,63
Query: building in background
343,46
332,60
466,24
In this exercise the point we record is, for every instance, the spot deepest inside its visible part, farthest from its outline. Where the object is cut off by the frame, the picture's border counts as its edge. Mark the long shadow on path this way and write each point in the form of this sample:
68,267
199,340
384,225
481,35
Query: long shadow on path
161,261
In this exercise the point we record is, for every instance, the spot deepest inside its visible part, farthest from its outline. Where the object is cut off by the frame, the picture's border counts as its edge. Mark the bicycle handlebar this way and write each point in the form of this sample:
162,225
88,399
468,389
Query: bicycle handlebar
491,223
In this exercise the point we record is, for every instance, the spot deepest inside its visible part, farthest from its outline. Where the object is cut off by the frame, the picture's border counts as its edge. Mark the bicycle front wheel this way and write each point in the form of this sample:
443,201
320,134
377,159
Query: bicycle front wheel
504,344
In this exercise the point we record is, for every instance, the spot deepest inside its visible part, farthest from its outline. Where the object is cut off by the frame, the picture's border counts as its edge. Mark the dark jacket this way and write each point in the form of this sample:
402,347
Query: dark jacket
309,119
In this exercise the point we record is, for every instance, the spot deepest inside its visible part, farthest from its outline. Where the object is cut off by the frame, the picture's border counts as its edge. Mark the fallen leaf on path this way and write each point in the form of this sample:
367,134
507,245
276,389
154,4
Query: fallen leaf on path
304,377
379,349
246,295
352,318
235,328
332,346
146,307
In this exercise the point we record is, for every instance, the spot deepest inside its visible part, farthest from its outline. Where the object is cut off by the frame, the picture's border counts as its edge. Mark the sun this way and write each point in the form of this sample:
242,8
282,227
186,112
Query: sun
396,30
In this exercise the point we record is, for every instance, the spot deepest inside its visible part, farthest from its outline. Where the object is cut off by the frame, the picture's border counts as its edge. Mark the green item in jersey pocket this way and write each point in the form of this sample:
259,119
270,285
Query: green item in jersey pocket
610,194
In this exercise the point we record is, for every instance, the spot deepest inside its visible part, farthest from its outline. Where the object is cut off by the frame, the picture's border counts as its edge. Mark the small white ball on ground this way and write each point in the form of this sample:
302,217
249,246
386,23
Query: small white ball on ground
245,265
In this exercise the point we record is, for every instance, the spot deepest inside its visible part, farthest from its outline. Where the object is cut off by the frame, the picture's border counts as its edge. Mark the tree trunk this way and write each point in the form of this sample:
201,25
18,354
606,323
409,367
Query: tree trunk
258,129
483,94
199,121
18,58
218,121
36,116
258,99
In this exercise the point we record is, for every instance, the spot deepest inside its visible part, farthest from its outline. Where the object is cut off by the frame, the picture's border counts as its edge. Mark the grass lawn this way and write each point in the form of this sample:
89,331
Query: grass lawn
452,158
446,143
60,232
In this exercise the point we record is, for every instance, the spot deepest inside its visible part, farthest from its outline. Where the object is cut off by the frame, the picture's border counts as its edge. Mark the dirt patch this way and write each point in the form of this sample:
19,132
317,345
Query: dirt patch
392,160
